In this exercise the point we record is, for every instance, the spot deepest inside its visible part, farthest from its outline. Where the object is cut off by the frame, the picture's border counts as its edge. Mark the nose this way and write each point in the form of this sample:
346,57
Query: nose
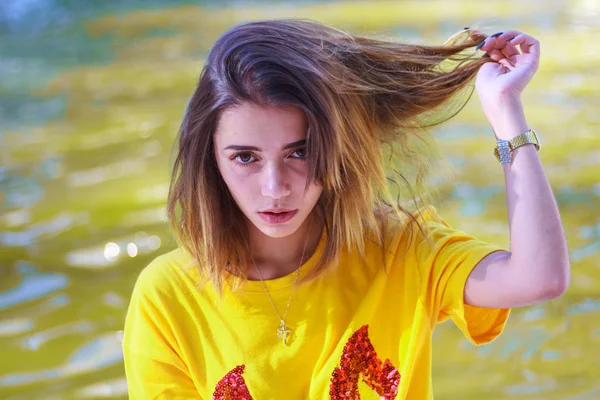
275,184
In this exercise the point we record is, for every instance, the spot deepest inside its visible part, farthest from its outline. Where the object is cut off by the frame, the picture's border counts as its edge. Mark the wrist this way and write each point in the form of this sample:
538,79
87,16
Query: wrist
510,128
508,119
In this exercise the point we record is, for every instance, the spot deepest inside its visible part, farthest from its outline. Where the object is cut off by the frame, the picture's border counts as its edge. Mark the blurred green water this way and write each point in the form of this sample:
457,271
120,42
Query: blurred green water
90,101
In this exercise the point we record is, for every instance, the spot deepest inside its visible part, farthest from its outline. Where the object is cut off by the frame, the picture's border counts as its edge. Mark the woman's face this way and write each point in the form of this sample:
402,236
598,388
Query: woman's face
261,154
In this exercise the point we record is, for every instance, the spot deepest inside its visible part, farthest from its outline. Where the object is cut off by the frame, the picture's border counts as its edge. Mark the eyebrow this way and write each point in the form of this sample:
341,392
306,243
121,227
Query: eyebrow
253,148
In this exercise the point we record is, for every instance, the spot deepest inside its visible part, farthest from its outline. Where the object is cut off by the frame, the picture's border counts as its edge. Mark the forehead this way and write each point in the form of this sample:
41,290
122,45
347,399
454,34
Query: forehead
252,124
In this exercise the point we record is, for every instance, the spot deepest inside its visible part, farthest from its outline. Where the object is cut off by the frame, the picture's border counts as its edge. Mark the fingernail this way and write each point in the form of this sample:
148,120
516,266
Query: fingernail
497,34
509,39
480,45
466,27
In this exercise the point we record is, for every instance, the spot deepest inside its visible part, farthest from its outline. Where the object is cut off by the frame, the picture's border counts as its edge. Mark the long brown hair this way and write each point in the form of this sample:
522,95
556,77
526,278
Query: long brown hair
365,100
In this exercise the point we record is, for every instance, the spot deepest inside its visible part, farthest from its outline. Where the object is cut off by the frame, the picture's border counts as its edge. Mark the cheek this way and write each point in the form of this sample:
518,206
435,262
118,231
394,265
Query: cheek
313,193
240,183
232,176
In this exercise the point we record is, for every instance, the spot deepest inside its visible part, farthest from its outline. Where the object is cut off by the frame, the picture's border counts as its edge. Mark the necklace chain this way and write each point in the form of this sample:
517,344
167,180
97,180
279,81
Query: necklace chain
283,331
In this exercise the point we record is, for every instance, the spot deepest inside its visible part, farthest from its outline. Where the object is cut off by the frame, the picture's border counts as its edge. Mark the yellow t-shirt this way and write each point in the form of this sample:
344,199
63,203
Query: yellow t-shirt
359,331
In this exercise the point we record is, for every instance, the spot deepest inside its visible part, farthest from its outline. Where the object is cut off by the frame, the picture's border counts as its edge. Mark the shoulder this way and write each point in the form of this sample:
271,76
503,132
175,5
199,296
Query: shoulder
411,228
166,273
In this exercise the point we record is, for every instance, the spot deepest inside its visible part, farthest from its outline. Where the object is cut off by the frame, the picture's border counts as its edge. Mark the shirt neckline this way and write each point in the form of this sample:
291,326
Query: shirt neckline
287,281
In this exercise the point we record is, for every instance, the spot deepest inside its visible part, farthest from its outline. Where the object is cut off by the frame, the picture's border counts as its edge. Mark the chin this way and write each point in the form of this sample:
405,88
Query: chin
277,230
276,234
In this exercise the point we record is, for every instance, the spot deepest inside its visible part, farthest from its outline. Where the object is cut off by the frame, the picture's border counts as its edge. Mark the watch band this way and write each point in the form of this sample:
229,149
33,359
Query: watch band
504,148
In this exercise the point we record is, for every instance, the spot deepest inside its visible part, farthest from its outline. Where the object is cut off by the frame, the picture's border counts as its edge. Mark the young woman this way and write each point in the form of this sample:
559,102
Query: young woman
298,275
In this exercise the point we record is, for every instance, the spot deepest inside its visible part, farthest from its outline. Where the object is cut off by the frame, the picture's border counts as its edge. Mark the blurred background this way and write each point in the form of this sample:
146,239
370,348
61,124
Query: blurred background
91,96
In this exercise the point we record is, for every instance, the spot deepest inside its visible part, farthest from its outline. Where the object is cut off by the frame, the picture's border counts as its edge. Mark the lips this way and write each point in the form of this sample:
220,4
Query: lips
277,216
277,210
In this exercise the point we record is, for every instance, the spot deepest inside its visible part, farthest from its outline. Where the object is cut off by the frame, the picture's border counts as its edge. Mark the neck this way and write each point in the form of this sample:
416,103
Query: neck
288,255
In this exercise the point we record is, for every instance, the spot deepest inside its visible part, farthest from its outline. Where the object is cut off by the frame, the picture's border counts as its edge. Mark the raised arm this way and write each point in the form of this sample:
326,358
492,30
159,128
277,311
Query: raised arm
537,266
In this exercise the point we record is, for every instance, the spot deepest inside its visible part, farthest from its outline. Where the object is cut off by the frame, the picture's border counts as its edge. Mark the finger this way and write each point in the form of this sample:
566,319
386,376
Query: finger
496,55
510,50
506,63
501,41
500,57
527,44
495,41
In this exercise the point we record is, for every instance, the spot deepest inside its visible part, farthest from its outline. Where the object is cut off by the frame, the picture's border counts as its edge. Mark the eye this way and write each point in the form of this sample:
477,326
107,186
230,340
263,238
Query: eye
300,153
243,158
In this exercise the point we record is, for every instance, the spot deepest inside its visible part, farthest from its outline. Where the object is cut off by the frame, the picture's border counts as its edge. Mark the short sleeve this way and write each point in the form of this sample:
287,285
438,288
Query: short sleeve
153,367
444,266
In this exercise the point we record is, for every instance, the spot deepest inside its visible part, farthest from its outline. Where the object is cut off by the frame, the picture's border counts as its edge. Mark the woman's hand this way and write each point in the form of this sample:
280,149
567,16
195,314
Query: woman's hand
500,84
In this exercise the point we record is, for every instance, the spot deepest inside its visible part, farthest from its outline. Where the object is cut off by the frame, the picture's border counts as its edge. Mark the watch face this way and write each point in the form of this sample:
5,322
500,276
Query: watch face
504,151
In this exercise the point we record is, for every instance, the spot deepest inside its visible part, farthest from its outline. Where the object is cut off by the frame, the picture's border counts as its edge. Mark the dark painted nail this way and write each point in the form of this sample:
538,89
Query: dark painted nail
480,45
509,39
497,34
467,27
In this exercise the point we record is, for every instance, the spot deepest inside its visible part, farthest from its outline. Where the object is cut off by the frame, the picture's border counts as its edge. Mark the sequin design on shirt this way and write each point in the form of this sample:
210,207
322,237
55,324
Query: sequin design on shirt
232,386
360,359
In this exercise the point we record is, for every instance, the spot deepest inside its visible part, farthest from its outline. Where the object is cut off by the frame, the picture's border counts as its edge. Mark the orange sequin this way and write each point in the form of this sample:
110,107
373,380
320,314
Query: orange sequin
232,386
359,358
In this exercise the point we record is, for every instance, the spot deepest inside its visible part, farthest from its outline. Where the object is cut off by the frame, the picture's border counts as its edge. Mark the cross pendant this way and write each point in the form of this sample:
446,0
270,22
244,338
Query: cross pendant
283,332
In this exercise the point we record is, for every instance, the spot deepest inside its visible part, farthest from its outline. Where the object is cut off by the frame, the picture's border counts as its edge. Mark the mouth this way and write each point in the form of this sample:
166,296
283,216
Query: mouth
277,216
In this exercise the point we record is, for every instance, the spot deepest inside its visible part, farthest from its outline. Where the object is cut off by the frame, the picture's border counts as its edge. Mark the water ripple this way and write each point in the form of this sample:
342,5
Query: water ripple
586,306
101,352
32,287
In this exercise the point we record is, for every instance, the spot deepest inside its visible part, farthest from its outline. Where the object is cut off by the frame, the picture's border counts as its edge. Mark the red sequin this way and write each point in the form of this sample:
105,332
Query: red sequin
359,358
232,386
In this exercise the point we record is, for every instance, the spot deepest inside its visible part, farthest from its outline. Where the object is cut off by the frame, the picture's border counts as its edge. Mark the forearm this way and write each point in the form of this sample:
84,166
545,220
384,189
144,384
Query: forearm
537,239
